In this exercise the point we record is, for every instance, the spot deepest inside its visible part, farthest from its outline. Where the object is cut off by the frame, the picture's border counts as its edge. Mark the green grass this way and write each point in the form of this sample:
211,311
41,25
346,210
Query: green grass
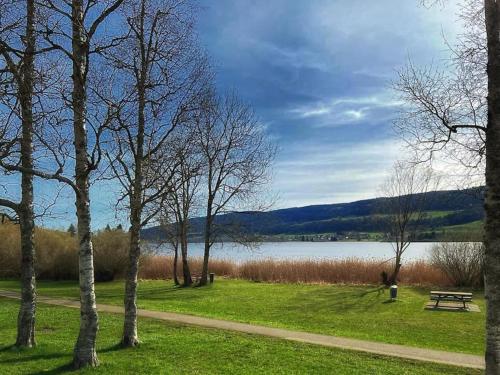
174,349
472,226
361,312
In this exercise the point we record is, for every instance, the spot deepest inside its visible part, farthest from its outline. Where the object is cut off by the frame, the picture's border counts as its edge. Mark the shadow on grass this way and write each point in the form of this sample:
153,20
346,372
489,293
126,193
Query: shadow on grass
389,301
339,300
63,369
8,348
33,357
113,348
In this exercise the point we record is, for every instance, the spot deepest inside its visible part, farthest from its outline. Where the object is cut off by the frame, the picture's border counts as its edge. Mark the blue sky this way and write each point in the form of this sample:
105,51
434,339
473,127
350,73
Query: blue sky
317,74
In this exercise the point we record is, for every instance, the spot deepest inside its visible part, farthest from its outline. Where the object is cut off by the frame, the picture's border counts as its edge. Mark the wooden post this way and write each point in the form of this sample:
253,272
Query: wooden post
212,277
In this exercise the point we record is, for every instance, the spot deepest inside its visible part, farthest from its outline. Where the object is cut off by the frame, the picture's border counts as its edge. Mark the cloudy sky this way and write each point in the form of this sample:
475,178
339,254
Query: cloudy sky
318,75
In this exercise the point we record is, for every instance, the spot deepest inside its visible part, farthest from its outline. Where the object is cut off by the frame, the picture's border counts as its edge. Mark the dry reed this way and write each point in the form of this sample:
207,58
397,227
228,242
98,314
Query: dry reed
336,271
57,259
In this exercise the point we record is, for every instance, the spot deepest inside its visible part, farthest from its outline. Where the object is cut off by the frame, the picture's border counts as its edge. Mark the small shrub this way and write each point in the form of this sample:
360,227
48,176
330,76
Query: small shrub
57,254
110,254
462,262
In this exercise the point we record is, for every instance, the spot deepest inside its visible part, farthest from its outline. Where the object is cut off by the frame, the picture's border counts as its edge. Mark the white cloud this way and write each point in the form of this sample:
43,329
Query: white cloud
346,172
346,110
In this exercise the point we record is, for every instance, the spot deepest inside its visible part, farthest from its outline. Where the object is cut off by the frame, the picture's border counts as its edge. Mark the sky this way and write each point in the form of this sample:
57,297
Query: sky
317,74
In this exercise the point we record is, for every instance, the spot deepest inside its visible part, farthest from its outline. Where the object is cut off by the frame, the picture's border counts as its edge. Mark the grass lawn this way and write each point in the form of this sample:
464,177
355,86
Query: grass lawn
169,348
352,311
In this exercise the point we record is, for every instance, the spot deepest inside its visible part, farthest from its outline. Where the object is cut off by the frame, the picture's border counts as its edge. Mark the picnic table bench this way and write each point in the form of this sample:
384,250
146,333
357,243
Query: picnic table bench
439,296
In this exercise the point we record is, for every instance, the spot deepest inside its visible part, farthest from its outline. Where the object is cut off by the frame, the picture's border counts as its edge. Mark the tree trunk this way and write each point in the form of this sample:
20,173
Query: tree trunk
186,272
176,261
208,239
393,280
84,352
130,335
492,199
26,317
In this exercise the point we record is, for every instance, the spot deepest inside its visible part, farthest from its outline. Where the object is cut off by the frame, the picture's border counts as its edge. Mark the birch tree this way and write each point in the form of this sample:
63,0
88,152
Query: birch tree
71,30
17,50
237,159
163,72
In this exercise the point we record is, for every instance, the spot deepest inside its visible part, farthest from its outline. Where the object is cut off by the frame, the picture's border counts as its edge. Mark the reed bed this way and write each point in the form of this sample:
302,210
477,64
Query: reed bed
57,259
161,267
331,271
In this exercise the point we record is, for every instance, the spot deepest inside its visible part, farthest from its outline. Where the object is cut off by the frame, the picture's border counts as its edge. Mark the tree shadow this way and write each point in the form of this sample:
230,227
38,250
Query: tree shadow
355,299
112,348
63,369
33,357
8,348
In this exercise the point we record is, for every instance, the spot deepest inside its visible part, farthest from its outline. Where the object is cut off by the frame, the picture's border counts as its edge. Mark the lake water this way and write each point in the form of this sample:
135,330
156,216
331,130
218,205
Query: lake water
307,250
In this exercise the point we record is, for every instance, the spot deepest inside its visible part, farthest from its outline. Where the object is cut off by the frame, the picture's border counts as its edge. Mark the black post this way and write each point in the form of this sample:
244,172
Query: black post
212,276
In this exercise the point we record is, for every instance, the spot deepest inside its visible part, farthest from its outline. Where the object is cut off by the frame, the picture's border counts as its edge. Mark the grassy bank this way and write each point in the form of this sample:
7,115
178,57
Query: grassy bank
168,348
352,311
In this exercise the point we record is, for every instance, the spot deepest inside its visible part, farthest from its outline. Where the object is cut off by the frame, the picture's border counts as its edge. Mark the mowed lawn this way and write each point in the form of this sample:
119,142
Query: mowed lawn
174,349
361,312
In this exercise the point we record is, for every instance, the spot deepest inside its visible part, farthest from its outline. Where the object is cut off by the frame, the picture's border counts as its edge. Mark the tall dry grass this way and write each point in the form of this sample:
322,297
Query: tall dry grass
162,267
57,259
342,271
57,253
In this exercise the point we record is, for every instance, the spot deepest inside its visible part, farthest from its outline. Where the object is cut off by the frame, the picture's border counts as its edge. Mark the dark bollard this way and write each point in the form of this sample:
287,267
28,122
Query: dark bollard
212,277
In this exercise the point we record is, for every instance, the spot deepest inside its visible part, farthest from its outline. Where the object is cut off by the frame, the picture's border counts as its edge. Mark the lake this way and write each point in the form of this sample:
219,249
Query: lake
307,250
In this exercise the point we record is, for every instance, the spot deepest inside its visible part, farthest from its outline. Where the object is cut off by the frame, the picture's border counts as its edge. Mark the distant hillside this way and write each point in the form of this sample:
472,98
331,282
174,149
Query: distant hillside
447,213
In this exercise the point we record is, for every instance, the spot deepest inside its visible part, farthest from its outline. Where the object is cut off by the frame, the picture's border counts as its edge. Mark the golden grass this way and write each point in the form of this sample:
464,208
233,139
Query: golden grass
57,253
335,271
57,258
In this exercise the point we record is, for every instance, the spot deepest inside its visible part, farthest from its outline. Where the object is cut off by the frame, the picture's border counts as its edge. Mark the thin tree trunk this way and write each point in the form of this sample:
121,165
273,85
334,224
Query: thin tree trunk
393,280
397,267
130,335
492,199
85,348
26,317
186,272
176,261
208,239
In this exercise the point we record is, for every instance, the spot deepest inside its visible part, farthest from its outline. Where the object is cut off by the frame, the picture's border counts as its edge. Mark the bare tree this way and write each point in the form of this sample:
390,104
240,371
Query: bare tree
162,73
405,192
71,30
168,222
469,116
17,75
237,159
187,168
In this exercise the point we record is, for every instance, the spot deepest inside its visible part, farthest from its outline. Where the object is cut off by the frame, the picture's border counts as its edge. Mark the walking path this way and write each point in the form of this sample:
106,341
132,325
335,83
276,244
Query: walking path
437,356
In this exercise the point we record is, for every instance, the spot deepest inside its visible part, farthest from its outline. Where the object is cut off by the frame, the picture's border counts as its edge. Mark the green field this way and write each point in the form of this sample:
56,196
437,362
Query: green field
361,312
174,349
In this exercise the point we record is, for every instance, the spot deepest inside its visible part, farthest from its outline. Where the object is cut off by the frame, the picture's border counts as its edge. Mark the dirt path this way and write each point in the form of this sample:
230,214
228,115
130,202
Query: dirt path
437,356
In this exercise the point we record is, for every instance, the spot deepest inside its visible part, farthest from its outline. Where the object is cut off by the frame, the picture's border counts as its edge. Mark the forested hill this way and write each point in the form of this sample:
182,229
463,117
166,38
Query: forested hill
447,212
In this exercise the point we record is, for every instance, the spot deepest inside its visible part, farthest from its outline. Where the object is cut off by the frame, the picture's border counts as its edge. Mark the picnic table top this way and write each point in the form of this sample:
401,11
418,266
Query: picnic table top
464,294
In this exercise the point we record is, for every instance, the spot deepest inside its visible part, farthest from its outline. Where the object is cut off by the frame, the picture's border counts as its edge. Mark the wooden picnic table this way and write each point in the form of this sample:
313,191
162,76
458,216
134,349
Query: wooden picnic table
439,296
